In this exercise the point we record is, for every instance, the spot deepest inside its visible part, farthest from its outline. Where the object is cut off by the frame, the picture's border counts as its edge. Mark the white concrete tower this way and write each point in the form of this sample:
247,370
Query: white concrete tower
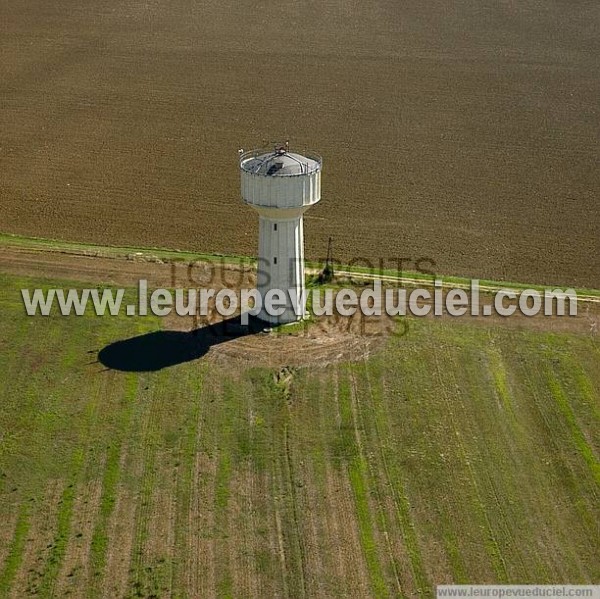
281,185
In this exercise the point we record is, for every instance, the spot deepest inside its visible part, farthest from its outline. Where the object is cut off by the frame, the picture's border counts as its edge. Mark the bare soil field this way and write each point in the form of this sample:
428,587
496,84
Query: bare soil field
467,134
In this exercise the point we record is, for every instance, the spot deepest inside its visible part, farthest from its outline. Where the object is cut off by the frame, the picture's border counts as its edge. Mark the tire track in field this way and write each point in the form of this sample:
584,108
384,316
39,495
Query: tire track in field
499,384
240,515
261,580
492,546
183,481
359,471
556,430
291,484
248,551
585,385
58,547
526,458
342,503
224,465
112,472
16,547
17,531
118,524
261,585
398,497
287,522
360,420
65,514
76,569
50,571
577,437
112,534
137,581
322,566
531,376
335,542
137,578
399,500
281,546
120,531
411,401
250,547
201,562
39,537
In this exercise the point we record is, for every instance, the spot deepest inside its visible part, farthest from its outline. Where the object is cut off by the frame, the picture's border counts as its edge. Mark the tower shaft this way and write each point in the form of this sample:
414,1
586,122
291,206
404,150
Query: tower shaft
281,265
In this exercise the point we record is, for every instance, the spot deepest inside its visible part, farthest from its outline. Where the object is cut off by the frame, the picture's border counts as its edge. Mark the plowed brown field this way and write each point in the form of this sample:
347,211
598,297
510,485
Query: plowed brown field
467,133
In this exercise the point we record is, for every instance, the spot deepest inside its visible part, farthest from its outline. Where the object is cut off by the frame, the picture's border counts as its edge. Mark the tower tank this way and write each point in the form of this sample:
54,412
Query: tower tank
281,185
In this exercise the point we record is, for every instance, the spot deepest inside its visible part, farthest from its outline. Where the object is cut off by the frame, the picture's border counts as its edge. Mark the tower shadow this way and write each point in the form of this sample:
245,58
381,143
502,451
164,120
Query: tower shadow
162,349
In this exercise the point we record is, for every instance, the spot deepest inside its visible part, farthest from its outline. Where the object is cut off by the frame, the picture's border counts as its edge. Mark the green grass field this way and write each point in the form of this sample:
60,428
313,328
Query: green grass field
460,453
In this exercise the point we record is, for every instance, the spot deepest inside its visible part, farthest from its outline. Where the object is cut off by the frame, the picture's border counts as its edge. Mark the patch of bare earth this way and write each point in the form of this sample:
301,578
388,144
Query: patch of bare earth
316,344
200,561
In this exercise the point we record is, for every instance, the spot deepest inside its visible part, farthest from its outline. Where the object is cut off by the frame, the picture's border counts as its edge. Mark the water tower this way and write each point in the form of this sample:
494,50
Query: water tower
281,185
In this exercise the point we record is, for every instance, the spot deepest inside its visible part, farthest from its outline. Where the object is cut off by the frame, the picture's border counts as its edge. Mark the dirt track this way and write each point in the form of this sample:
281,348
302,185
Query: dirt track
324,341
465,134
